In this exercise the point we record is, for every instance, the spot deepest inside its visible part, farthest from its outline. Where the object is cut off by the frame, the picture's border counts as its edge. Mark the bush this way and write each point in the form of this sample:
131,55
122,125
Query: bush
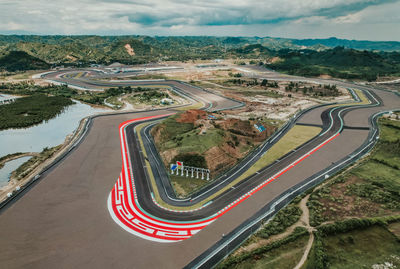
190,159
31,110
232,261
282,220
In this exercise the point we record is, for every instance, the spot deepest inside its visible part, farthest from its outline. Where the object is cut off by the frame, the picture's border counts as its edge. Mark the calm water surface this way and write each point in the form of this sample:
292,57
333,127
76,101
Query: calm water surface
47,134
9,167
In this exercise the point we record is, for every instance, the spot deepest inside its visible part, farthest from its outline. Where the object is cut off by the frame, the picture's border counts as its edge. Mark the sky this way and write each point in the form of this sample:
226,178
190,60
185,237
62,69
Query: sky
349,19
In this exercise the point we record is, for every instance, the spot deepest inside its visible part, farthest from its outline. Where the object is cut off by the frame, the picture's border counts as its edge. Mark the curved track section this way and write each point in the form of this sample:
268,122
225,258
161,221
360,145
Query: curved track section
126,211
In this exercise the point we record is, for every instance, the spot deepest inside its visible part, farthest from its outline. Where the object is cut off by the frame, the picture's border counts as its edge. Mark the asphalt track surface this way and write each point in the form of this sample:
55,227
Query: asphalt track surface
63,220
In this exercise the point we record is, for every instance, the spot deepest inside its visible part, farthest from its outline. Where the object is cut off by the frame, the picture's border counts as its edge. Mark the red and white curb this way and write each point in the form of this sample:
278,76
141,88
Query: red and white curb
125,210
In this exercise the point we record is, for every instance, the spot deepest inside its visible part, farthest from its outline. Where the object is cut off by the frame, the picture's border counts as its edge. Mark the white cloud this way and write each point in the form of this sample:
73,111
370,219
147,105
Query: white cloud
210,17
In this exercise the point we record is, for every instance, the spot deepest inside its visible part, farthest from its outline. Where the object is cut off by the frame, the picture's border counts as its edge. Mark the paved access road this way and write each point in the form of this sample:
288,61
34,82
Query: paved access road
63,221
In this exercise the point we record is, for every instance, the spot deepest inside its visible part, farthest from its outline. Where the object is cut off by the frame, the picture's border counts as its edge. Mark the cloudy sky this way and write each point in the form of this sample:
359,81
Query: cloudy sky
351,19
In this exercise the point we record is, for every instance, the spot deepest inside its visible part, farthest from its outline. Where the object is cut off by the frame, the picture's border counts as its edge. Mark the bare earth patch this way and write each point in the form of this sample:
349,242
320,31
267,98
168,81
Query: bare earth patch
129,50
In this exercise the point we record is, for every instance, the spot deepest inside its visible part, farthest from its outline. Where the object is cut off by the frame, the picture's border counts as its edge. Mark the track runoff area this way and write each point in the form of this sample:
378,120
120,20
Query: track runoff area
126,211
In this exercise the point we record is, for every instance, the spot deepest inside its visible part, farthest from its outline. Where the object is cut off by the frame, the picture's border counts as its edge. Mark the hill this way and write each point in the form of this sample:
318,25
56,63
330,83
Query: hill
20,61
309,57
353,44
81,50
338,62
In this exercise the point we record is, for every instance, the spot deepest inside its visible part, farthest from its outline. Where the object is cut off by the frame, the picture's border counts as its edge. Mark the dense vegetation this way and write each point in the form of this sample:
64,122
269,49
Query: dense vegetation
191,159
353,44
20,61
321,90
31,110
96,98
282,220
149,96
338,62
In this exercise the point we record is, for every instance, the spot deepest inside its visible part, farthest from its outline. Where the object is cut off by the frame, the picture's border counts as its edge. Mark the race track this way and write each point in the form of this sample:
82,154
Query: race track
64,220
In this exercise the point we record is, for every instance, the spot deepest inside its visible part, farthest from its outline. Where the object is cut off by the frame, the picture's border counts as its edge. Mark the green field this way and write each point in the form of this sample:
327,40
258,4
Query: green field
286,256
297,136
362,249
383,168
284,253
193,142
183,186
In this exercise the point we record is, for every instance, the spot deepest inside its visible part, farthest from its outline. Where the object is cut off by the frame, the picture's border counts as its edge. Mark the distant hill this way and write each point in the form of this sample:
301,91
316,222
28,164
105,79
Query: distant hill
353,44
312,57
338,62
83,50
20,61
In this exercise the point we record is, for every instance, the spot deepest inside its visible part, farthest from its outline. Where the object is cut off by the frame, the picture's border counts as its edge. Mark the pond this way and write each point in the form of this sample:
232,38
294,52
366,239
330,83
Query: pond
9,167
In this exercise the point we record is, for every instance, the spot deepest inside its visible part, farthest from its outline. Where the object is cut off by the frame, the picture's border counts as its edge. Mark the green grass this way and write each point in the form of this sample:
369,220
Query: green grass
184,186
286,256
395,229
192,141
379,174
390,130
114,101
297,136
362,248
283,253
272,94
388,155
171,128
382,169
183,136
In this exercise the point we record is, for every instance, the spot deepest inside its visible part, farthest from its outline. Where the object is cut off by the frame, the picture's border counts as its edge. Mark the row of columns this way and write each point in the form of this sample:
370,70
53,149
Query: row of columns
192,171
7,101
